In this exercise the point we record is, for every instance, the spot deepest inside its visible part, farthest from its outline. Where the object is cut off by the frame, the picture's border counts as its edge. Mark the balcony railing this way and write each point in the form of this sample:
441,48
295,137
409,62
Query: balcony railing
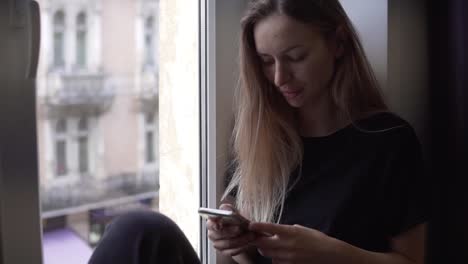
92,193
78,94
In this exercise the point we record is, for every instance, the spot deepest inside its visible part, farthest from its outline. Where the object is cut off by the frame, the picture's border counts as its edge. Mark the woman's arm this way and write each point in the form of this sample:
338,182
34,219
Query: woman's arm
407,248
298,244
246,257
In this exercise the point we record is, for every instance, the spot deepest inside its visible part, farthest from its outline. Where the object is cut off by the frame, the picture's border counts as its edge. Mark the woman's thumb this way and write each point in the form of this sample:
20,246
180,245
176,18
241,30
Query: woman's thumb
226,206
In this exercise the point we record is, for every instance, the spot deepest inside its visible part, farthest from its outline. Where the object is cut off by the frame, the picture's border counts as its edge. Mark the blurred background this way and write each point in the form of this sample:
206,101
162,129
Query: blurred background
97,119
117,112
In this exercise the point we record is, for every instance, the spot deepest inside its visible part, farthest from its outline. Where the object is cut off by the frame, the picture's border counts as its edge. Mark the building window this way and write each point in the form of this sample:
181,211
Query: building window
61,168
59,39
81,39
149,41
83,152
149,138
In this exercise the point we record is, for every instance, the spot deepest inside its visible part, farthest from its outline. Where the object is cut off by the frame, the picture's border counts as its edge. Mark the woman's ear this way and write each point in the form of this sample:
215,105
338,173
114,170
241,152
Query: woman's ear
339,42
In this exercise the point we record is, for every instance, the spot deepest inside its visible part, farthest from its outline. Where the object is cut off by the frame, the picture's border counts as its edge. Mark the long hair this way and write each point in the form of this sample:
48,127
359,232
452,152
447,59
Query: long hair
266,144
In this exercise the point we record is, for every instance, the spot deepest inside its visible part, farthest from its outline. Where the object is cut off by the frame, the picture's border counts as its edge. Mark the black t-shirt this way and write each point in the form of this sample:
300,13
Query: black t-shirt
361,187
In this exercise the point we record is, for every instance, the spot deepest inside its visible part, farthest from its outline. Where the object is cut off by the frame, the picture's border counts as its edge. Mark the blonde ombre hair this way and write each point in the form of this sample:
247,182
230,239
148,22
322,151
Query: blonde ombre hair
267,146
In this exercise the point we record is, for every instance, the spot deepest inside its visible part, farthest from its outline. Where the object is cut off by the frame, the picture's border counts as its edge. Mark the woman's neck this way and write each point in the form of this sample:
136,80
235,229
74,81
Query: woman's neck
320,119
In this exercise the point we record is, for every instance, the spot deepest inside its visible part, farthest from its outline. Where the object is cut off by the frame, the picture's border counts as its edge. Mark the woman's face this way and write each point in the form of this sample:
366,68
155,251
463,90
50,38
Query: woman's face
296,58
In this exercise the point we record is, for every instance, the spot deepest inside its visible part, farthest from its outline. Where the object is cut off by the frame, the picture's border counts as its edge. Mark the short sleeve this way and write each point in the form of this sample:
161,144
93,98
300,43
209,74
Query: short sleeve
407,192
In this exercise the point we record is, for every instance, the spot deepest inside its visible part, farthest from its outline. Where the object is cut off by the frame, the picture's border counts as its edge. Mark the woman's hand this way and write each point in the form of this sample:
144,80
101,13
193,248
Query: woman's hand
292,244
230,240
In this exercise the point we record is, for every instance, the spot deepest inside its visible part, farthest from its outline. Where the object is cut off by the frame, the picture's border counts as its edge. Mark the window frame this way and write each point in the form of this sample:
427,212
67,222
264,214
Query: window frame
218,61
71,137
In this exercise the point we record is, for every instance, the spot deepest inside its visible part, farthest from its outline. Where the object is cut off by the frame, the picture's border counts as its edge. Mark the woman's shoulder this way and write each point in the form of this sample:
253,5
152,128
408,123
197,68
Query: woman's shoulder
386,126
382,121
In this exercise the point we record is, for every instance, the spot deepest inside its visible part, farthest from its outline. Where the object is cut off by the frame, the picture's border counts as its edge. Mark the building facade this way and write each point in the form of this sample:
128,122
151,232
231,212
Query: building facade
97,105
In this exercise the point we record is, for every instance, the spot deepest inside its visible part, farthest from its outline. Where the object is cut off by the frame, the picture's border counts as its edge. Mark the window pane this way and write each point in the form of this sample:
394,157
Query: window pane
149,49
149,119
58,49
83,154
98,120
61,157
61,126
81,48
81,29
149,147
83,124
149,45
59,40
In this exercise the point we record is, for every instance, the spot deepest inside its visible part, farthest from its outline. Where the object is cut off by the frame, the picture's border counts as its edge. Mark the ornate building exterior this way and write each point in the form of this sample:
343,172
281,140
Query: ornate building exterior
97,105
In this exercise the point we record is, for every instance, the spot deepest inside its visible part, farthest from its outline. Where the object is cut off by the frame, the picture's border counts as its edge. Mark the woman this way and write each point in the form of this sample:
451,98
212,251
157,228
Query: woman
320,164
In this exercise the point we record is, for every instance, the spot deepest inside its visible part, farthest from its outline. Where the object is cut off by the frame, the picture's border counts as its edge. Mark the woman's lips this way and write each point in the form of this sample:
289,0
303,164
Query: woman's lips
291,94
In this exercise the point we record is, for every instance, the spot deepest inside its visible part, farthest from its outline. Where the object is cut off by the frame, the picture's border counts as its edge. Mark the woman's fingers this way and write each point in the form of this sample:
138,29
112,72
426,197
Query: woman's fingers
226,232
276,254
229,239
233,243
234,251
227,206
213,224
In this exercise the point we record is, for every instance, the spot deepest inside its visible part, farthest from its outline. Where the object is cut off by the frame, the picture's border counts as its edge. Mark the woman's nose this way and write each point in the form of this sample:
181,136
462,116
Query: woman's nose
282,74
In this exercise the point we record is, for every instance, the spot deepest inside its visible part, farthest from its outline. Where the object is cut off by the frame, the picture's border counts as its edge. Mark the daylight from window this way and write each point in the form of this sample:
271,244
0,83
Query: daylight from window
97,119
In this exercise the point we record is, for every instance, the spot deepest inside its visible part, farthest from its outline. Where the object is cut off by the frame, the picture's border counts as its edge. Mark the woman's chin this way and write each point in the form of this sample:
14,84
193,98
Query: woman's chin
295,103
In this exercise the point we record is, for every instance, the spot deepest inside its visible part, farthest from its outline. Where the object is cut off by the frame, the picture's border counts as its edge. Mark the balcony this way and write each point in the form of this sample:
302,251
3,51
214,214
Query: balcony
78,94
148,96
91,193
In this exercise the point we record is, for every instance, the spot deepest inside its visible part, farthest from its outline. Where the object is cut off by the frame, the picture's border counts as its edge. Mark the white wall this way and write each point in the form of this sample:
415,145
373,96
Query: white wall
370,17
394,38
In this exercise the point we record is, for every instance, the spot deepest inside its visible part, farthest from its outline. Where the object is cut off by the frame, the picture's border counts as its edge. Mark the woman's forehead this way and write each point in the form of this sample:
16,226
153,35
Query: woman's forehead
278,33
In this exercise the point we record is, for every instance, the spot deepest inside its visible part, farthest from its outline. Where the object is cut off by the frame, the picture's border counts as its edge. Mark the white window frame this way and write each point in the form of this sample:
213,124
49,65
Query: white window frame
218,24
71,137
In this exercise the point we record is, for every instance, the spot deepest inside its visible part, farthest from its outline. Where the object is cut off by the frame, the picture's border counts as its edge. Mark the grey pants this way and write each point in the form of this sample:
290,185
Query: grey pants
144,238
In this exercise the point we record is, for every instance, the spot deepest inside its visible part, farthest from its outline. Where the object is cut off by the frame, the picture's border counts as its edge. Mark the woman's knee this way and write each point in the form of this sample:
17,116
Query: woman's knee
145,236
143,222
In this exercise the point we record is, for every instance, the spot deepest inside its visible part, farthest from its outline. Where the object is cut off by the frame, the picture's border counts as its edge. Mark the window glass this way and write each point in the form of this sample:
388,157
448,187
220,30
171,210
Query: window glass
149,41
61,152
149,147
98,120
59,38
81,40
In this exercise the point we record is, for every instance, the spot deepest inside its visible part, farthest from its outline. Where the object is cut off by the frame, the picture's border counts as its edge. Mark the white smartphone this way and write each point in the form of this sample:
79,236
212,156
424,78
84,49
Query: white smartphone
227,216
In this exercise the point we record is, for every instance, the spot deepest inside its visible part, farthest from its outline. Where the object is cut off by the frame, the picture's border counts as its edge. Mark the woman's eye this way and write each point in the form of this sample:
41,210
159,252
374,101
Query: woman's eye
298,58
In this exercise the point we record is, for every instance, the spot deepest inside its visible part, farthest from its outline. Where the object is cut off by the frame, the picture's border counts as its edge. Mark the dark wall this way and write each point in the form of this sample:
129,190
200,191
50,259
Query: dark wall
448,85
